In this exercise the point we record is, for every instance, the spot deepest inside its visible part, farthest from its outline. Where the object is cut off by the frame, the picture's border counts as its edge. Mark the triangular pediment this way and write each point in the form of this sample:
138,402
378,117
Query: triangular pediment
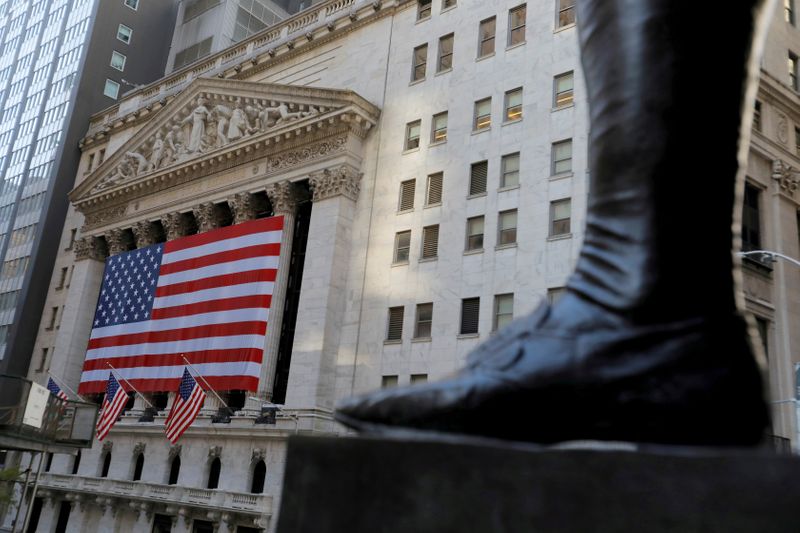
213,118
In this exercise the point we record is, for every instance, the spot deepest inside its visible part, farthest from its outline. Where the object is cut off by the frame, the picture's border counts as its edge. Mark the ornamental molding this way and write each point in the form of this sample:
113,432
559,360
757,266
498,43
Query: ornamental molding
258,454
96,219
217,124
214,452
138,448
108,446
174,451
89,248
788,178
343,180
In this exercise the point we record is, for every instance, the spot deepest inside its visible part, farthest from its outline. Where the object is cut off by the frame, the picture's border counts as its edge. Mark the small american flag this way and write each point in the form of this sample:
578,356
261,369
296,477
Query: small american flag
55,389
184,410
115,400
206,296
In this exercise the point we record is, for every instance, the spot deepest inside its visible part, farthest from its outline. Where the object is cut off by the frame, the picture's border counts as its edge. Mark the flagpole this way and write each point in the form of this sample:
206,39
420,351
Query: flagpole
131,386
63,384
199,375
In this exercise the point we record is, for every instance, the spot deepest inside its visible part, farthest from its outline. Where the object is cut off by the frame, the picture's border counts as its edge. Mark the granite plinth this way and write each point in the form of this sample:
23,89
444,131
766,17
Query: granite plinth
407,485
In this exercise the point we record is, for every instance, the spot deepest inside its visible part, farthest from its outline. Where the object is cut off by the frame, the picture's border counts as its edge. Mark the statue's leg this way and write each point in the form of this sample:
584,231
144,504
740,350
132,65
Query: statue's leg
647,344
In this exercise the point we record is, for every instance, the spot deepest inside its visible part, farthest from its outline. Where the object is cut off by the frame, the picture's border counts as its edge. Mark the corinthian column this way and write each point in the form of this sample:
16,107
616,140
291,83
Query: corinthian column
116,241
206,216
145,234
175,225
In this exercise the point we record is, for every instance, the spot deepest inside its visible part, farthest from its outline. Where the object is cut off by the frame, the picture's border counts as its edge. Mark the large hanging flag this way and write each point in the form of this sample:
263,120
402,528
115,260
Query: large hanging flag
114,402
206,296
184,410
56,390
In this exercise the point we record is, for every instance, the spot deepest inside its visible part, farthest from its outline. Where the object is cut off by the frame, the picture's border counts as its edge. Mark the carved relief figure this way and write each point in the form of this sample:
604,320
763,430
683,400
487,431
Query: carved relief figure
174,142
140,160
238,123
222,115
198,119
157,153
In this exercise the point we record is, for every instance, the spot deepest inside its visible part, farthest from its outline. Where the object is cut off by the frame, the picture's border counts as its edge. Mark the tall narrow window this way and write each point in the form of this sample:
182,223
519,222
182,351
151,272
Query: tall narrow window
118,60
566,13
439,128
259,476
510,171
106,465
792,66
111,89
430,242
407,190
433,194
423,322
445,53
402,245
503,310
797,140
423,9
513,105
76,463
563,86
138,467
412,134
562,157
507,227
763,332
394,329
486,34
62,280
751,219
483,114
474,234
757,116
420,63
560,215
174,470
788,11
213,473
470,315
477,177
516,25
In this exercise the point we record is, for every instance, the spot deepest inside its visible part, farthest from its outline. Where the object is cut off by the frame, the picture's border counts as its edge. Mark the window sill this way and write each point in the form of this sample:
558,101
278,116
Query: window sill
476,251
437,204
446,9
565,236
556,177
411,150
564,28
487,56
505,246
562,107
513,46
468,336
423,19
420,339
400,264
416,82
393,342
405,211
482,130
428,259
476,195
510,122
437,143
442,72
508,188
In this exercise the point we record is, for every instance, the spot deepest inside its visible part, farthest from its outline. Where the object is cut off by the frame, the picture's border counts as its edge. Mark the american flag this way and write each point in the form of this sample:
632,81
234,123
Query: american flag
187,404
55,389
115,400
206,296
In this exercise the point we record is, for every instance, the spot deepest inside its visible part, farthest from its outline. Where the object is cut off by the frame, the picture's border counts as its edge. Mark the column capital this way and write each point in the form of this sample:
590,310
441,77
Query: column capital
175,225
144,233
243,207
282,197
116,241
343,180
89,248
206,216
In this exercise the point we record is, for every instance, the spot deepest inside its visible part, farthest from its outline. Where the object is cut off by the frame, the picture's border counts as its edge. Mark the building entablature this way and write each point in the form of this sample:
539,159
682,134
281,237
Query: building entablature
220,141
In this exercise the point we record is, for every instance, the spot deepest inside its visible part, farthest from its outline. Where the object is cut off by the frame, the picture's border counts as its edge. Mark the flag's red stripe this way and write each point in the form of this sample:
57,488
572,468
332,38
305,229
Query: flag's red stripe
219,383
183,334
252,276
226,304
188,413
234,355
247,228
259,250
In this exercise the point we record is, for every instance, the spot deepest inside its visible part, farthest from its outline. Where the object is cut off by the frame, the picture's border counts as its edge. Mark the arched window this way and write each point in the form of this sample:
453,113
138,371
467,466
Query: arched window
137,469
106,465
76,462
213,473
259,473
174,470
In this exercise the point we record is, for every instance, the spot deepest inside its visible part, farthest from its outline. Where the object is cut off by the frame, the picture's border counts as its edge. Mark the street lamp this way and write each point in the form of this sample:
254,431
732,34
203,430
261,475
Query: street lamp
769,256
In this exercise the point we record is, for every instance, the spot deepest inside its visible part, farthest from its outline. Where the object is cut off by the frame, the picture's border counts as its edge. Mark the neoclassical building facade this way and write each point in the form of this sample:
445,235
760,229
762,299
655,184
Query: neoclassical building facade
429,158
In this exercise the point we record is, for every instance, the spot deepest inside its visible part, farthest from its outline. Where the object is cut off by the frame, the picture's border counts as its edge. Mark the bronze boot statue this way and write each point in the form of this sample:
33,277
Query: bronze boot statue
648,343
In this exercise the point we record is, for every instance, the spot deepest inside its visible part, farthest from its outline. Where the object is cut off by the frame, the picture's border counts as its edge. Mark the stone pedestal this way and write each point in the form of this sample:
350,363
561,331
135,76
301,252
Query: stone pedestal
388,486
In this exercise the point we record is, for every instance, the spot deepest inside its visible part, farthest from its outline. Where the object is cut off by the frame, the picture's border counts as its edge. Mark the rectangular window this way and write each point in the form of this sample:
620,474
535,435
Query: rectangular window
420,63
507,227
433,195
792,66
53,317
192,53
566,13
430,242
486,33
562,157
445,53
797,140
62,280
418,379
133,4
423,9
407,190
72,235
560,214
474,233
503,310
483,114
763,333
402,245
563,86
470,313
198,7
422,327
516,25
124,33
90,163
388,382
395,327
101,156
510,171
788,11
751,219
43,360
439,128
757,116
412,135
554,294
477,177
111,89
117,60
513,105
